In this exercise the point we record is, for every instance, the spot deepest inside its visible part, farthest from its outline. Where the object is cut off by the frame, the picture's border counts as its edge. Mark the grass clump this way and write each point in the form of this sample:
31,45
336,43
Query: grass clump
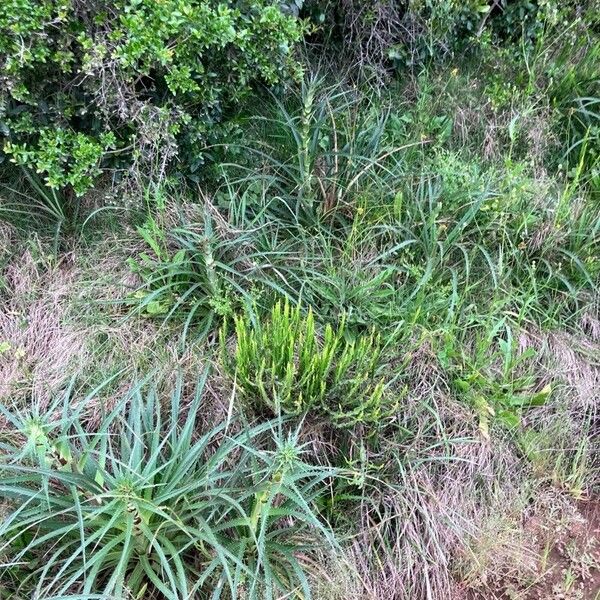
310,155
189,273
196,273
282,364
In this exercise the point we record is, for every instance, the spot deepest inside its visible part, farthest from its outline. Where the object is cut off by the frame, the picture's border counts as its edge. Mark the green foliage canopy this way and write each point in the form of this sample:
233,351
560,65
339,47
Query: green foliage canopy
133,80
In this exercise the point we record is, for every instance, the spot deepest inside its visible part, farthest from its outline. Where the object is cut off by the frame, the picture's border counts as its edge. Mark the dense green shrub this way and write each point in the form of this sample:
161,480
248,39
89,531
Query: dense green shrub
131,80
385,34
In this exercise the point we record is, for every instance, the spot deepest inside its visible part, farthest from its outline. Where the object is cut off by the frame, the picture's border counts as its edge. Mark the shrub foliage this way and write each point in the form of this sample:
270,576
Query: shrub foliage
131,80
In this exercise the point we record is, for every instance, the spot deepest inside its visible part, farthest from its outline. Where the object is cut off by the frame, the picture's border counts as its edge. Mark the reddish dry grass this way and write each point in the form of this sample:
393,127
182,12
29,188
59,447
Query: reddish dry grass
448,515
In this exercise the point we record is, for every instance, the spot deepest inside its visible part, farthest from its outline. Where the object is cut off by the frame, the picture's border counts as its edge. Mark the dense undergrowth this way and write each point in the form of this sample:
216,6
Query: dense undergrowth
286,319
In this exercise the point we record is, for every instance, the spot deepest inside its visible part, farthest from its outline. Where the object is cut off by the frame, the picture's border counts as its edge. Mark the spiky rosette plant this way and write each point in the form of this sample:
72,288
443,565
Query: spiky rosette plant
146,507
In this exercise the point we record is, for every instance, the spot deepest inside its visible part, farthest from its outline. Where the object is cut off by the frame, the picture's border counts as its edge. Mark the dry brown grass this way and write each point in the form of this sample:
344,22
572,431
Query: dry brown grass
566,442
43,347
66,318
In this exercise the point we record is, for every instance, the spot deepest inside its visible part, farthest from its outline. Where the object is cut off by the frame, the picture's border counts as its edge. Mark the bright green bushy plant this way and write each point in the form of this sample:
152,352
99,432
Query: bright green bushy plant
81,81
145,506
283,365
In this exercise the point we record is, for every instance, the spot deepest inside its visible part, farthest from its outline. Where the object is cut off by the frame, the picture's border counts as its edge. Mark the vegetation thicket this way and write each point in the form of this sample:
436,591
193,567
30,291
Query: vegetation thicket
299,299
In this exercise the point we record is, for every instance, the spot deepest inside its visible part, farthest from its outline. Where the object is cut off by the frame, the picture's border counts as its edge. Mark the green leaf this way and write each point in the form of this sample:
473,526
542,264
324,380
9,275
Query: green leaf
528,400
157,307
509,419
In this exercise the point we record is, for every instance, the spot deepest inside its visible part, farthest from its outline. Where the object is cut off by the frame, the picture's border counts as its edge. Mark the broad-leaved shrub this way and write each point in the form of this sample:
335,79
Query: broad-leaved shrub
134,81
